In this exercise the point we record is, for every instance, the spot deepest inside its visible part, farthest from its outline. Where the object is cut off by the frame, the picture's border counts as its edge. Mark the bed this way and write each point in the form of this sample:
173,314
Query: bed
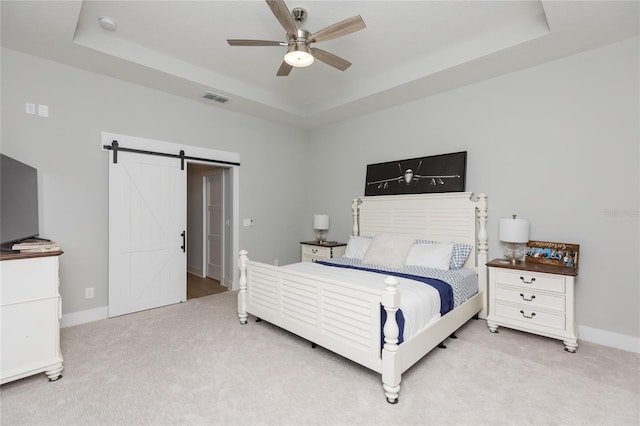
347,317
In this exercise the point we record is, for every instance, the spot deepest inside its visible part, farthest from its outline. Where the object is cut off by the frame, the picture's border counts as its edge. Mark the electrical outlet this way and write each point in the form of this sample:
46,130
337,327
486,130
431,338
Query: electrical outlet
30,108
88,293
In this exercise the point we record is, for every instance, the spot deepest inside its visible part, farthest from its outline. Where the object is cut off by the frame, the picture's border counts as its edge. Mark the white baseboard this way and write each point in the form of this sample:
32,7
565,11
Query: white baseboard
81,317
195,270
609,338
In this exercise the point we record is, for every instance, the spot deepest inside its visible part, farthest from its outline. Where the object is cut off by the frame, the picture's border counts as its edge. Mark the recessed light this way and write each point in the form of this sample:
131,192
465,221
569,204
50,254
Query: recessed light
107,23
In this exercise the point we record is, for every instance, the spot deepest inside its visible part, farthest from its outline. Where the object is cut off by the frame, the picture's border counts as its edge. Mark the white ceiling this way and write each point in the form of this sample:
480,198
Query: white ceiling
409,50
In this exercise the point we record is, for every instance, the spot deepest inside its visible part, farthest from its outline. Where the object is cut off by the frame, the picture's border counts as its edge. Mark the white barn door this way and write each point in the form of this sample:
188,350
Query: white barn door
147,224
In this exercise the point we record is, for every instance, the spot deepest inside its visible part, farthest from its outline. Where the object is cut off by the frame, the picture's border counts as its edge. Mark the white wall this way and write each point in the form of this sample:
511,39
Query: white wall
65,148
556,143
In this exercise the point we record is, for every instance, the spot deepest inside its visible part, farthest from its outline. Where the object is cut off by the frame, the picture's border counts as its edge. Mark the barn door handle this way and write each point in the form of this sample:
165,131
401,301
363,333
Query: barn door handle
184,236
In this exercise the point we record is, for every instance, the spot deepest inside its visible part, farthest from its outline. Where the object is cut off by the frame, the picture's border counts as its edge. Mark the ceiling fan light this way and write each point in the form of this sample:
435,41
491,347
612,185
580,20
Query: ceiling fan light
299,55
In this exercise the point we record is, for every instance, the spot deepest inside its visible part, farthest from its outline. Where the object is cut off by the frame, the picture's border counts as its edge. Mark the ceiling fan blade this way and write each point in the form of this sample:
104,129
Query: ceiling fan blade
241,42
330,59
282,14
339,29
284,69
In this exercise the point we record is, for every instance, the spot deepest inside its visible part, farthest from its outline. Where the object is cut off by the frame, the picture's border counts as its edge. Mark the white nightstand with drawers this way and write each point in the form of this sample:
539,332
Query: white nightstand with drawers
313,250
533,297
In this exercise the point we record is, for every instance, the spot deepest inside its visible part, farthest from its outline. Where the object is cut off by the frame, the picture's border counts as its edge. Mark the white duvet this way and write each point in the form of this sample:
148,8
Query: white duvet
419,302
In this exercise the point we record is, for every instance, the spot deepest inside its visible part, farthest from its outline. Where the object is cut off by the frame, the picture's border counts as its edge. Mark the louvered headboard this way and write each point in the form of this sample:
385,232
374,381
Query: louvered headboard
451,216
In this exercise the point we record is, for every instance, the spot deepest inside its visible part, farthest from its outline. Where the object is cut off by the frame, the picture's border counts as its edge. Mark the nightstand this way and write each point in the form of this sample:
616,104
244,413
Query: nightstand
533,297
313,250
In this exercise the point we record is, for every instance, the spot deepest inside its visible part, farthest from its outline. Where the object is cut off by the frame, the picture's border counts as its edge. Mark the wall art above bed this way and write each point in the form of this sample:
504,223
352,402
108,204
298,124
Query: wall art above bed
437,173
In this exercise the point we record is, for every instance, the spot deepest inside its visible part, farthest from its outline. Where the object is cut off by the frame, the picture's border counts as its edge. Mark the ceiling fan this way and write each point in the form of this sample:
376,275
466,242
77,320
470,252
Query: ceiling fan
299,53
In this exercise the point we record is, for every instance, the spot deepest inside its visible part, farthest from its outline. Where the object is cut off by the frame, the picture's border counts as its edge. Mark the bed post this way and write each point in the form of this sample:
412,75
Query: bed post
391,369
354,211
242,294
483,249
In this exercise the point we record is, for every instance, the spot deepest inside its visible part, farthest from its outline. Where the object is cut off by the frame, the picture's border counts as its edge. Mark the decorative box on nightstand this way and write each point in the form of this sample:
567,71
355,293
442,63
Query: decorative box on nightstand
533,297
313,250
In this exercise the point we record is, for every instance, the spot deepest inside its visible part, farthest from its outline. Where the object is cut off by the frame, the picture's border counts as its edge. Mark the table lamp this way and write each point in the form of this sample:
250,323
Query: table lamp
320,224
514,232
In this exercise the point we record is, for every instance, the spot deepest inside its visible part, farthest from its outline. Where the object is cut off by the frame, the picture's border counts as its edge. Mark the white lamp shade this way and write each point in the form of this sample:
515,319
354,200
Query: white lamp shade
321,221
514,230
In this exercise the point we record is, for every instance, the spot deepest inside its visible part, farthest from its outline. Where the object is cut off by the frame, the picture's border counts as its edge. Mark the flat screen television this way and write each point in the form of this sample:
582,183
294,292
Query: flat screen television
18,201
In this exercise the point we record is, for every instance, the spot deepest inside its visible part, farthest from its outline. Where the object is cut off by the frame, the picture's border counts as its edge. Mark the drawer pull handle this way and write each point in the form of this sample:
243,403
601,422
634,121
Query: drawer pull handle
533,314
528,282
533,296
314,251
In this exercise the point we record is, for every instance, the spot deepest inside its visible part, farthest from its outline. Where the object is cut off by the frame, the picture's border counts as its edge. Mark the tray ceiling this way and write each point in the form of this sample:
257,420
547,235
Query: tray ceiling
409,50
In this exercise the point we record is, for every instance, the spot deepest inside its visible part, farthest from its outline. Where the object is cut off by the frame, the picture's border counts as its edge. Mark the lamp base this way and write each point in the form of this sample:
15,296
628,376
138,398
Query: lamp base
320,237
514,252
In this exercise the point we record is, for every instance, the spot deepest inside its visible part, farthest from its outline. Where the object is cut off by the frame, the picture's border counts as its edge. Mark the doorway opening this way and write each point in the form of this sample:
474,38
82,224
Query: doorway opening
208,230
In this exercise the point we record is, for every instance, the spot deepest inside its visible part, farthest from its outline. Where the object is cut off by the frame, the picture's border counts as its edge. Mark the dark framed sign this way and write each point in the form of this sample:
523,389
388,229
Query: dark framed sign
551,253
437,173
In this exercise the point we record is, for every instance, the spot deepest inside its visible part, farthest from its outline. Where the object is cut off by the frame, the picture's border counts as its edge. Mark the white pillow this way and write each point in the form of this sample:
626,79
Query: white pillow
460,253
357,246
431,255
388,250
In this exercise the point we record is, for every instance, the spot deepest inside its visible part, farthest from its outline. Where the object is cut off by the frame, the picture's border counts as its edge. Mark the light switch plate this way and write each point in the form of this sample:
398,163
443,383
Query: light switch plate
43,110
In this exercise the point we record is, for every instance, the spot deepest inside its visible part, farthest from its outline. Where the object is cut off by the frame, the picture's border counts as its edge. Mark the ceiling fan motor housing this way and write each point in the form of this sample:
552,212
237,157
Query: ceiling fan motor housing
301,38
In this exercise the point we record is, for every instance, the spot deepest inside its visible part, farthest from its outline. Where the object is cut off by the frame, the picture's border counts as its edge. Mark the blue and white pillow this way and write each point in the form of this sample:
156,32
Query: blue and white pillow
459,255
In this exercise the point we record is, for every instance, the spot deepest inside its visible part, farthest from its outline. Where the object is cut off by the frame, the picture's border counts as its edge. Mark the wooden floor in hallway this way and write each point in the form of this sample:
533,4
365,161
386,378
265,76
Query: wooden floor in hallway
200,287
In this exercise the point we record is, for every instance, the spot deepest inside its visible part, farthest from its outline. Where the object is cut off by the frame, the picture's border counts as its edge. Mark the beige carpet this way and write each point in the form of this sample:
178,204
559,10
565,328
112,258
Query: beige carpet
193,363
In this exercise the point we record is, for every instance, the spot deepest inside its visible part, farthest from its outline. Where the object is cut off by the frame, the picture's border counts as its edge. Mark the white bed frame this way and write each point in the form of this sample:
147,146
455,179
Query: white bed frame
345,318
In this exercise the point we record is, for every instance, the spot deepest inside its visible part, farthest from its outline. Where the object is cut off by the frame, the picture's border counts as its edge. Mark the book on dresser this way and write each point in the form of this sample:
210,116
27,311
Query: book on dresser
36,246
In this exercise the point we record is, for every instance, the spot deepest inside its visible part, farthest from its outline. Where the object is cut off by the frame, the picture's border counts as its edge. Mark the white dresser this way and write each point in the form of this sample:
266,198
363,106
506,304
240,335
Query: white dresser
30,311
313,250
535,298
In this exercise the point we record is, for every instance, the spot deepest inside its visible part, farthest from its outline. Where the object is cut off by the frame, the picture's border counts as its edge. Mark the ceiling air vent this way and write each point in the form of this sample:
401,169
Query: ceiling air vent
215,97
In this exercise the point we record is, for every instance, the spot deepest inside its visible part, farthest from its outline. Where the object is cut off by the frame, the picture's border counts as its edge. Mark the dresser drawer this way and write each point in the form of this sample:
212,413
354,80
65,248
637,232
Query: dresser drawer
530,315
530,298
316,251
524,279
28,279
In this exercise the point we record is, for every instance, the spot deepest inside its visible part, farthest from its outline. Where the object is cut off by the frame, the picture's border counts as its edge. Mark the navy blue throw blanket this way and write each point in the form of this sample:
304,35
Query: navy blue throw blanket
444,289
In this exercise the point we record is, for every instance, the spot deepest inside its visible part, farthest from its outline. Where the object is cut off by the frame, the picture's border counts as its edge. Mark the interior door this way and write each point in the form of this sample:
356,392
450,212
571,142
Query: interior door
147,224
215,226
